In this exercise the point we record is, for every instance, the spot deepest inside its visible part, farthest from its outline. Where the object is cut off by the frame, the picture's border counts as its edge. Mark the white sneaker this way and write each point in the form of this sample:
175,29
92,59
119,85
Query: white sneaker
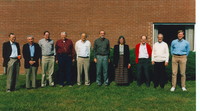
184,89
172,89
78,84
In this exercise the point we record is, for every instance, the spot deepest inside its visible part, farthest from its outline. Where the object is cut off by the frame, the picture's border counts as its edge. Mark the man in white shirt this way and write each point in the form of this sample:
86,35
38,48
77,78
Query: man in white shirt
160,57
82,48
142,58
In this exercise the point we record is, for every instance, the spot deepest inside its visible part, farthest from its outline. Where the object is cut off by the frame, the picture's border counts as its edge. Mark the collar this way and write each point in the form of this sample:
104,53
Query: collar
83,41
12,42
142,44
47,40
64,40
102,38
160,42
30,44
180,40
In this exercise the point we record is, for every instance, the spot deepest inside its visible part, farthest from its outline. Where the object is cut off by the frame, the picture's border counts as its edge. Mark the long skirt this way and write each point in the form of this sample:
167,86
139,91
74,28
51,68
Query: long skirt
121,72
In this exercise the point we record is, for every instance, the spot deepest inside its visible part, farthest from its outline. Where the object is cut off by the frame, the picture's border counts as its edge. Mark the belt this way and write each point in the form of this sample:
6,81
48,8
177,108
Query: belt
103,54
143,58
179,55
83,57
48,55
13,58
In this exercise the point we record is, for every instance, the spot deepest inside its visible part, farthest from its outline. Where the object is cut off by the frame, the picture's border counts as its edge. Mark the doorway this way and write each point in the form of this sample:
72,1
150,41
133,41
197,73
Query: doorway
170,32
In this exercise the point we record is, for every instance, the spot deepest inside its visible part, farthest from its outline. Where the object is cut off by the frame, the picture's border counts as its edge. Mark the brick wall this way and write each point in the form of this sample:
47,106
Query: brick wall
130,18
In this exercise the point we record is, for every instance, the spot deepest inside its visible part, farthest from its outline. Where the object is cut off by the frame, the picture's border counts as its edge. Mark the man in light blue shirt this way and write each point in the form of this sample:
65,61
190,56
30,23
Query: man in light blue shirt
180,49
11,59
32,49
14,52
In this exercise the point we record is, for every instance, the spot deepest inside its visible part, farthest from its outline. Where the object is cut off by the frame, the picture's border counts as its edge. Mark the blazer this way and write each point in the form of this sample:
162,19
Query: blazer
7,50
126,55
27,55
137,48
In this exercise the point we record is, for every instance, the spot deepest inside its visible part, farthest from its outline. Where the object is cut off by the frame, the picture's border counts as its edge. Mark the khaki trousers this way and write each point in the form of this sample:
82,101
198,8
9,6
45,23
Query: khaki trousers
83,63
181,62
12,74
47,69
31,75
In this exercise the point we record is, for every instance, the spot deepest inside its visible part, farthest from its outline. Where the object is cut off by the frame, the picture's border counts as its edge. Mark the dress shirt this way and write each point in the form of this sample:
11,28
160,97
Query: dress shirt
143,51
65,47
160,52
47,47
180,47
121,49
101,47
32,50
14,52
83,48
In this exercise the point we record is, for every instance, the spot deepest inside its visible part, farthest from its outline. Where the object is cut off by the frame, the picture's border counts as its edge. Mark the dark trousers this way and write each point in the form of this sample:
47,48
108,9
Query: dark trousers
143,65
64,64
159,74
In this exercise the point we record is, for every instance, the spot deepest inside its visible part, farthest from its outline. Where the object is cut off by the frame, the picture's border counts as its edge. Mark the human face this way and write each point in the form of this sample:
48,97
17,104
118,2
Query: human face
12,38
46,35
160,38
121,41
30,40
83,37
63,36
102,34
180,35
143,39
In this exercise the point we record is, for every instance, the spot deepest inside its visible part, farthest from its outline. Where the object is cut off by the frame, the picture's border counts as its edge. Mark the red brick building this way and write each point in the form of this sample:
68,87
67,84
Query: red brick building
130,18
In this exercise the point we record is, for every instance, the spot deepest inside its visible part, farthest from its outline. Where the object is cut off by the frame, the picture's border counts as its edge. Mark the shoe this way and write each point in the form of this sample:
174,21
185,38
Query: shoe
61,85
78,84
8,90
42,86
106,84
70,85
87,84
98,84
172,89
184,89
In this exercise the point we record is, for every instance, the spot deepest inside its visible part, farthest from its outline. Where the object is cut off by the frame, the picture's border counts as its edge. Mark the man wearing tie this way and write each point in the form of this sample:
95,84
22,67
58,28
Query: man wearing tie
11,57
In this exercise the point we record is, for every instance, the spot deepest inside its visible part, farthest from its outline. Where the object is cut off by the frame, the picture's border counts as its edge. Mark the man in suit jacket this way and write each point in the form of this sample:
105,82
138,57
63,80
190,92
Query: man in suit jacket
31,53
11,57
143,53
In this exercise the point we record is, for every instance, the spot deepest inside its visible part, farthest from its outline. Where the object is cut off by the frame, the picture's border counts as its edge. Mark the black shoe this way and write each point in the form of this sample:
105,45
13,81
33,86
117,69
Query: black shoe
155,86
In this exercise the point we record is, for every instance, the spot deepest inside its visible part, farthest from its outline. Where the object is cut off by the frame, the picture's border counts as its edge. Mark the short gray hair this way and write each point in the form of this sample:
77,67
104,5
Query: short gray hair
64,33
30,36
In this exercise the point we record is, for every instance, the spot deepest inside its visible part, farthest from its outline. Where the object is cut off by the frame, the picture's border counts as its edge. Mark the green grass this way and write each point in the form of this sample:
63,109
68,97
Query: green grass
94,98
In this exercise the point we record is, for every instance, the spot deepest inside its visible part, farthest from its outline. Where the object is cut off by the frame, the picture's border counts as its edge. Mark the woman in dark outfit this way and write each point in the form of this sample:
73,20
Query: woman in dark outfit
121,62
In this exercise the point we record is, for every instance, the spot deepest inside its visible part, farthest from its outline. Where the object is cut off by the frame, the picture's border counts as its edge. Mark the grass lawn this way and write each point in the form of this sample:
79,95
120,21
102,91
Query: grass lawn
94,98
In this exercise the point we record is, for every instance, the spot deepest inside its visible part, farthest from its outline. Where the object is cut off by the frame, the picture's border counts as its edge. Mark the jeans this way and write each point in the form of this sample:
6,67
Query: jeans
102,67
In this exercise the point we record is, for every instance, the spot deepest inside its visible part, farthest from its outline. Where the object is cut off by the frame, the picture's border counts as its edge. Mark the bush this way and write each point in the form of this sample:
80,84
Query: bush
190,71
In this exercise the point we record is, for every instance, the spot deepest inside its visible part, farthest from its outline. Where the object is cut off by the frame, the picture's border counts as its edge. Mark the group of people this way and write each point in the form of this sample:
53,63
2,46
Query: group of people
64,53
